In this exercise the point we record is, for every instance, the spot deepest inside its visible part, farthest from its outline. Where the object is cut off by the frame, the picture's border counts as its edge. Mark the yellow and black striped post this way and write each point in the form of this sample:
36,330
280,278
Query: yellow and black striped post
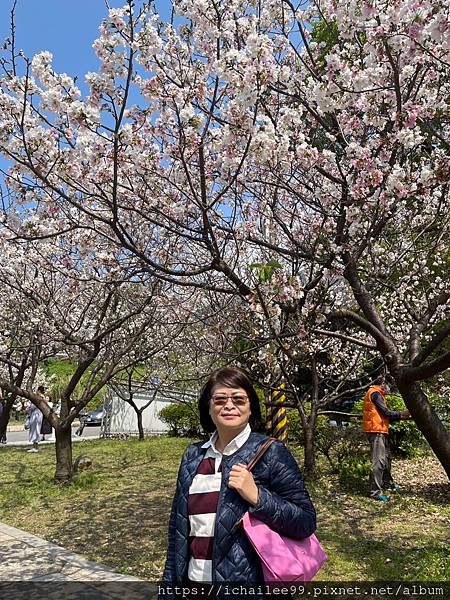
276,423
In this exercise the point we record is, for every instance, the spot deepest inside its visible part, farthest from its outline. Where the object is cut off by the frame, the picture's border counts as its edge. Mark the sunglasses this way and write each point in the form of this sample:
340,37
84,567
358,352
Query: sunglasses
238,400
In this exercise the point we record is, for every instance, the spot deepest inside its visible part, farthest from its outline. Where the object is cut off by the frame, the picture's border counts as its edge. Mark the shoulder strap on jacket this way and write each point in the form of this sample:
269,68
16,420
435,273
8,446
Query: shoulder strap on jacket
264,446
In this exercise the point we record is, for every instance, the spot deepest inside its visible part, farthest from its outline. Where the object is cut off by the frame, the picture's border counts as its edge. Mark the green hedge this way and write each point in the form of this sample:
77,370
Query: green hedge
182,418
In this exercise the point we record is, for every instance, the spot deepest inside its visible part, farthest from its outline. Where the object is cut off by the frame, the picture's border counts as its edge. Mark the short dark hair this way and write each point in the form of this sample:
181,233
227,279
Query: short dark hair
41,388
232,377
385,378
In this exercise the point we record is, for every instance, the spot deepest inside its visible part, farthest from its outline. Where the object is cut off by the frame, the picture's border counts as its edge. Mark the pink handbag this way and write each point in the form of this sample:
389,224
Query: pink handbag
283,559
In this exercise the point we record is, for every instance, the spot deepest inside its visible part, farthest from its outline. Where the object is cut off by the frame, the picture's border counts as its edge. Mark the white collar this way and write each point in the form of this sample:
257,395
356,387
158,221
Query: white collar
233,445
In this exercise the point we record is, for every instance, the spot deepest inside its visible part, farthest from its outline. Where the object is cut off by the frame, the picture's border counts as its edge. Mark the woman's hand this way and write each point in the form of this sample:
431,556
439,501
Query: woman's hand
242,481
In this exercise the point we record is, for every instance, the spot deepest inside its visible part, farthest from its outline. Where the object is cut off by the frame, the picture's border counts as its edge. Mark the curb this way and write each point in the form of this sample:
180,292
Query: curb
46,443
12,428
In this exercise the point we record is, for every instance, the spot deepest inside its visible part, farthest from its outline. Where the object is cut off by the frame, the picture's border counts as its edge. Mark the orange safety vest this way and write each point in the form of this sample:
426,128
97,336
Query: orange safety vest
373,421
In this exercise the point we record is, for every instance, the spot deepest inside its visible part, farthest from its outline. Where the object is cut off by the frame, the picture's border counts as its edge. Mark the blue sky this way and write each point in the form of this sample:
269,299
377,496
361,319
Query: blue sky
66,28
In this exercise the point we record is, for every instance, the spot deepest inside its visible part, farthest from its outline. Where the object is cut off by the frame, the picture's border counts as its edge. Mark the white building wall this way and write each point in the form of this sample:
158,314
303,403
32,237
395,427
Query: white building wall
121,418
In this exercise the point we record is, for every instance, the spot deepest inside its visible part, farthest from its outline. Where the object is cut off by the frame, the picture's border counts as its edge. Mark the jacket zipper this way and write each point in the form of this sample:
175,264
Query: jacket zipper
221,494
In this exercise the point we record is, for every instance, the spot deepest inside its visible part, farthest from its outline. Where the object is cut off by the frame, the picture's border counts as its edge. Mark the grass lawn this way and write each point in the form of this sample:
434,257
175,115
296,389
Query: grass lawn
117,513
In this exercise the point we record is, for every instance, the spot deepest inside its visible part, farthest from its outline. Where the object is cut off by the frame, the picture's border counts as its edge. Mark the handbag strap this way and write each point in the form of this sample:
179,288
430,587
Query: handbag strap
261,450
264,446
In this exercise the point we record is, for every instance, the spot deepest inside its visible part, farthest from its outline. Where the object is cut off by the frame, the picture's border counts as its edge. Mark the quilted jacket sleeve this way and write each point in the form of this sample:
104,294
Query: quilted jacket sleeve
169,574
169,569
285,507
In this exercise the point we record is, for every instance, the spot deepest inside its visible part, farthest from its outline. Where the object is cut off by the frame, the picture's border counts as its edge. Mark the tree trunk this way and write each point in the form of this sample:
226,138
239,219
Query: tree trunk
63,446
426,420
140,426
309,450
415,399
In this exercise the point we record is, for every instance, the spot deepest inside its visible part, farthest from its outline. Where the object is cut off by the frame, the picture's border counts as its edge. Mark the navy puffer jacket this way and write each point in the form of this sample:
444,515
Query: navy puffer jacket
284,505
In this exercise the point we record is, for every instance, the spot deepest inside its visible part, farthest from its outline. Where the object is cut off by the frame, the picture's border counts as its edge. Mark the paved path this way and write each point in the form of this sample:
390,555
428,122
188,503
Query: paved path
53,572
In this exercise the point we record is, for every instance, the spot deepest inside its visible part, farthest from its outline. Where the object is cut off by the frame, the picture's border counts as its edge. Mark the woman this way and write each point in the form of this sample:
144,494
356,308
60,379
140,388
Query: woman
35,417
214,490
46,427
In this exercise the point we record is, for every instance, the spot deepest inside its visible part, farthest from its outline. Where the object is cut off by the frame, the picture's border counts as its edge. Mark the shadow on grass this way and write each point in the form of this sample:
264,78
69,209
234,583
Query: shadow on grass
117,514
399,550
127,530
406,539
434,493
369,559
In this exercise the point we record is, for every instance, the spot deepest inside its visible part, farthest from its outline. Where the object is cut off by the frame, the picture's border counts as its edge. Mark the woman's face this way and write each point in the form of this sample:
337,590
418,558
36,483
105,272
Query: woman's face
229,408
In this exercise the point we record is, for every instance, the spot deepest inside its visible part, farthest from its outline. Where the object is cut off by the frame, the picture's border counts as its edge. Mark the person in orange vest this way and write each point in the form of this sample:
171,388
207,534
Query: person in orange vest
376,419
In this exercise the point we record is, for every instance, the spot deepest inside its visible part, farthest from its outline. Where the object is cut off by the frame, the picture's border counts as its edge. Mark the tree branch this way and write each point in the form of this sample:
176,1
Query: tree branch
361,322
427,370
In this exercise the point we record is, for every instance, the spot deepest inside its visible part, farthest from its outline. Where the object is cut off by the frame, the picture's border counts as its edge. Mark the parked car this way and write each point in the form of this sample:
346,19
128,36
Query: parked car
94,417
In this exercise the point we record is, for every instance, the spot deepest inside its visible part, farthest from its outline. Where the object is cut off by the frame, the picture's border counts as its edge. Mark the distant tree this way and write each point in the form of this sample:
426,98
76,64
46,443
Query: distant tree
102,327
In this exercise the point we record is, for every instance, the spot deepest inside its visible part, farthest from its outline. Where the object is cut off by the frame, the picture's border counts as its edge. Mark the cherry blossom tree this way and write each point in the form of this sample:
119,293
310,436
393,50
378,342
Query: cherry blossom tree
181,364
280,343
248,132
24,344
68,306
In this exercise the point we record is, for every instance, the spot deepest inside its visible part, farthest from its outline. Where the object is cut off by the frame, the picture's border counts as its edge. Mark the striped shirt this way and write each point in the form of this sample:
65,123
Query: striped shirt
202,505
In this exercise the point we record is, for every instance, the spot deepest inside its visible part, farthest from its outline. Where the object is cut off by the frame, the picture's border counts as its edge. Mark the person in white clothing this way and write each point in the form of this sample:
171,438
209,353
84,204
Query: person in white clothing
35,423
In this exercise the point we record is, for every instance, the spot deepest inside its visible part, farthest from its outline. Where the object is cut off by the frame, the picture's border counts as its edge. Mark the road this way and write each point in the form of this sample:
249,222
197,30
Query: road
20,438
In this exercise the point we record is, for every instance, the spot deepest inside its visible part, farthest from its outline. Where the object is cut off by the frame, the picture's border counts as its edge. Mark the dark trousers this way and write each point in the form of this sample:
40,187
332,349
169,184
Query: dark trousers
81,427
380,454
